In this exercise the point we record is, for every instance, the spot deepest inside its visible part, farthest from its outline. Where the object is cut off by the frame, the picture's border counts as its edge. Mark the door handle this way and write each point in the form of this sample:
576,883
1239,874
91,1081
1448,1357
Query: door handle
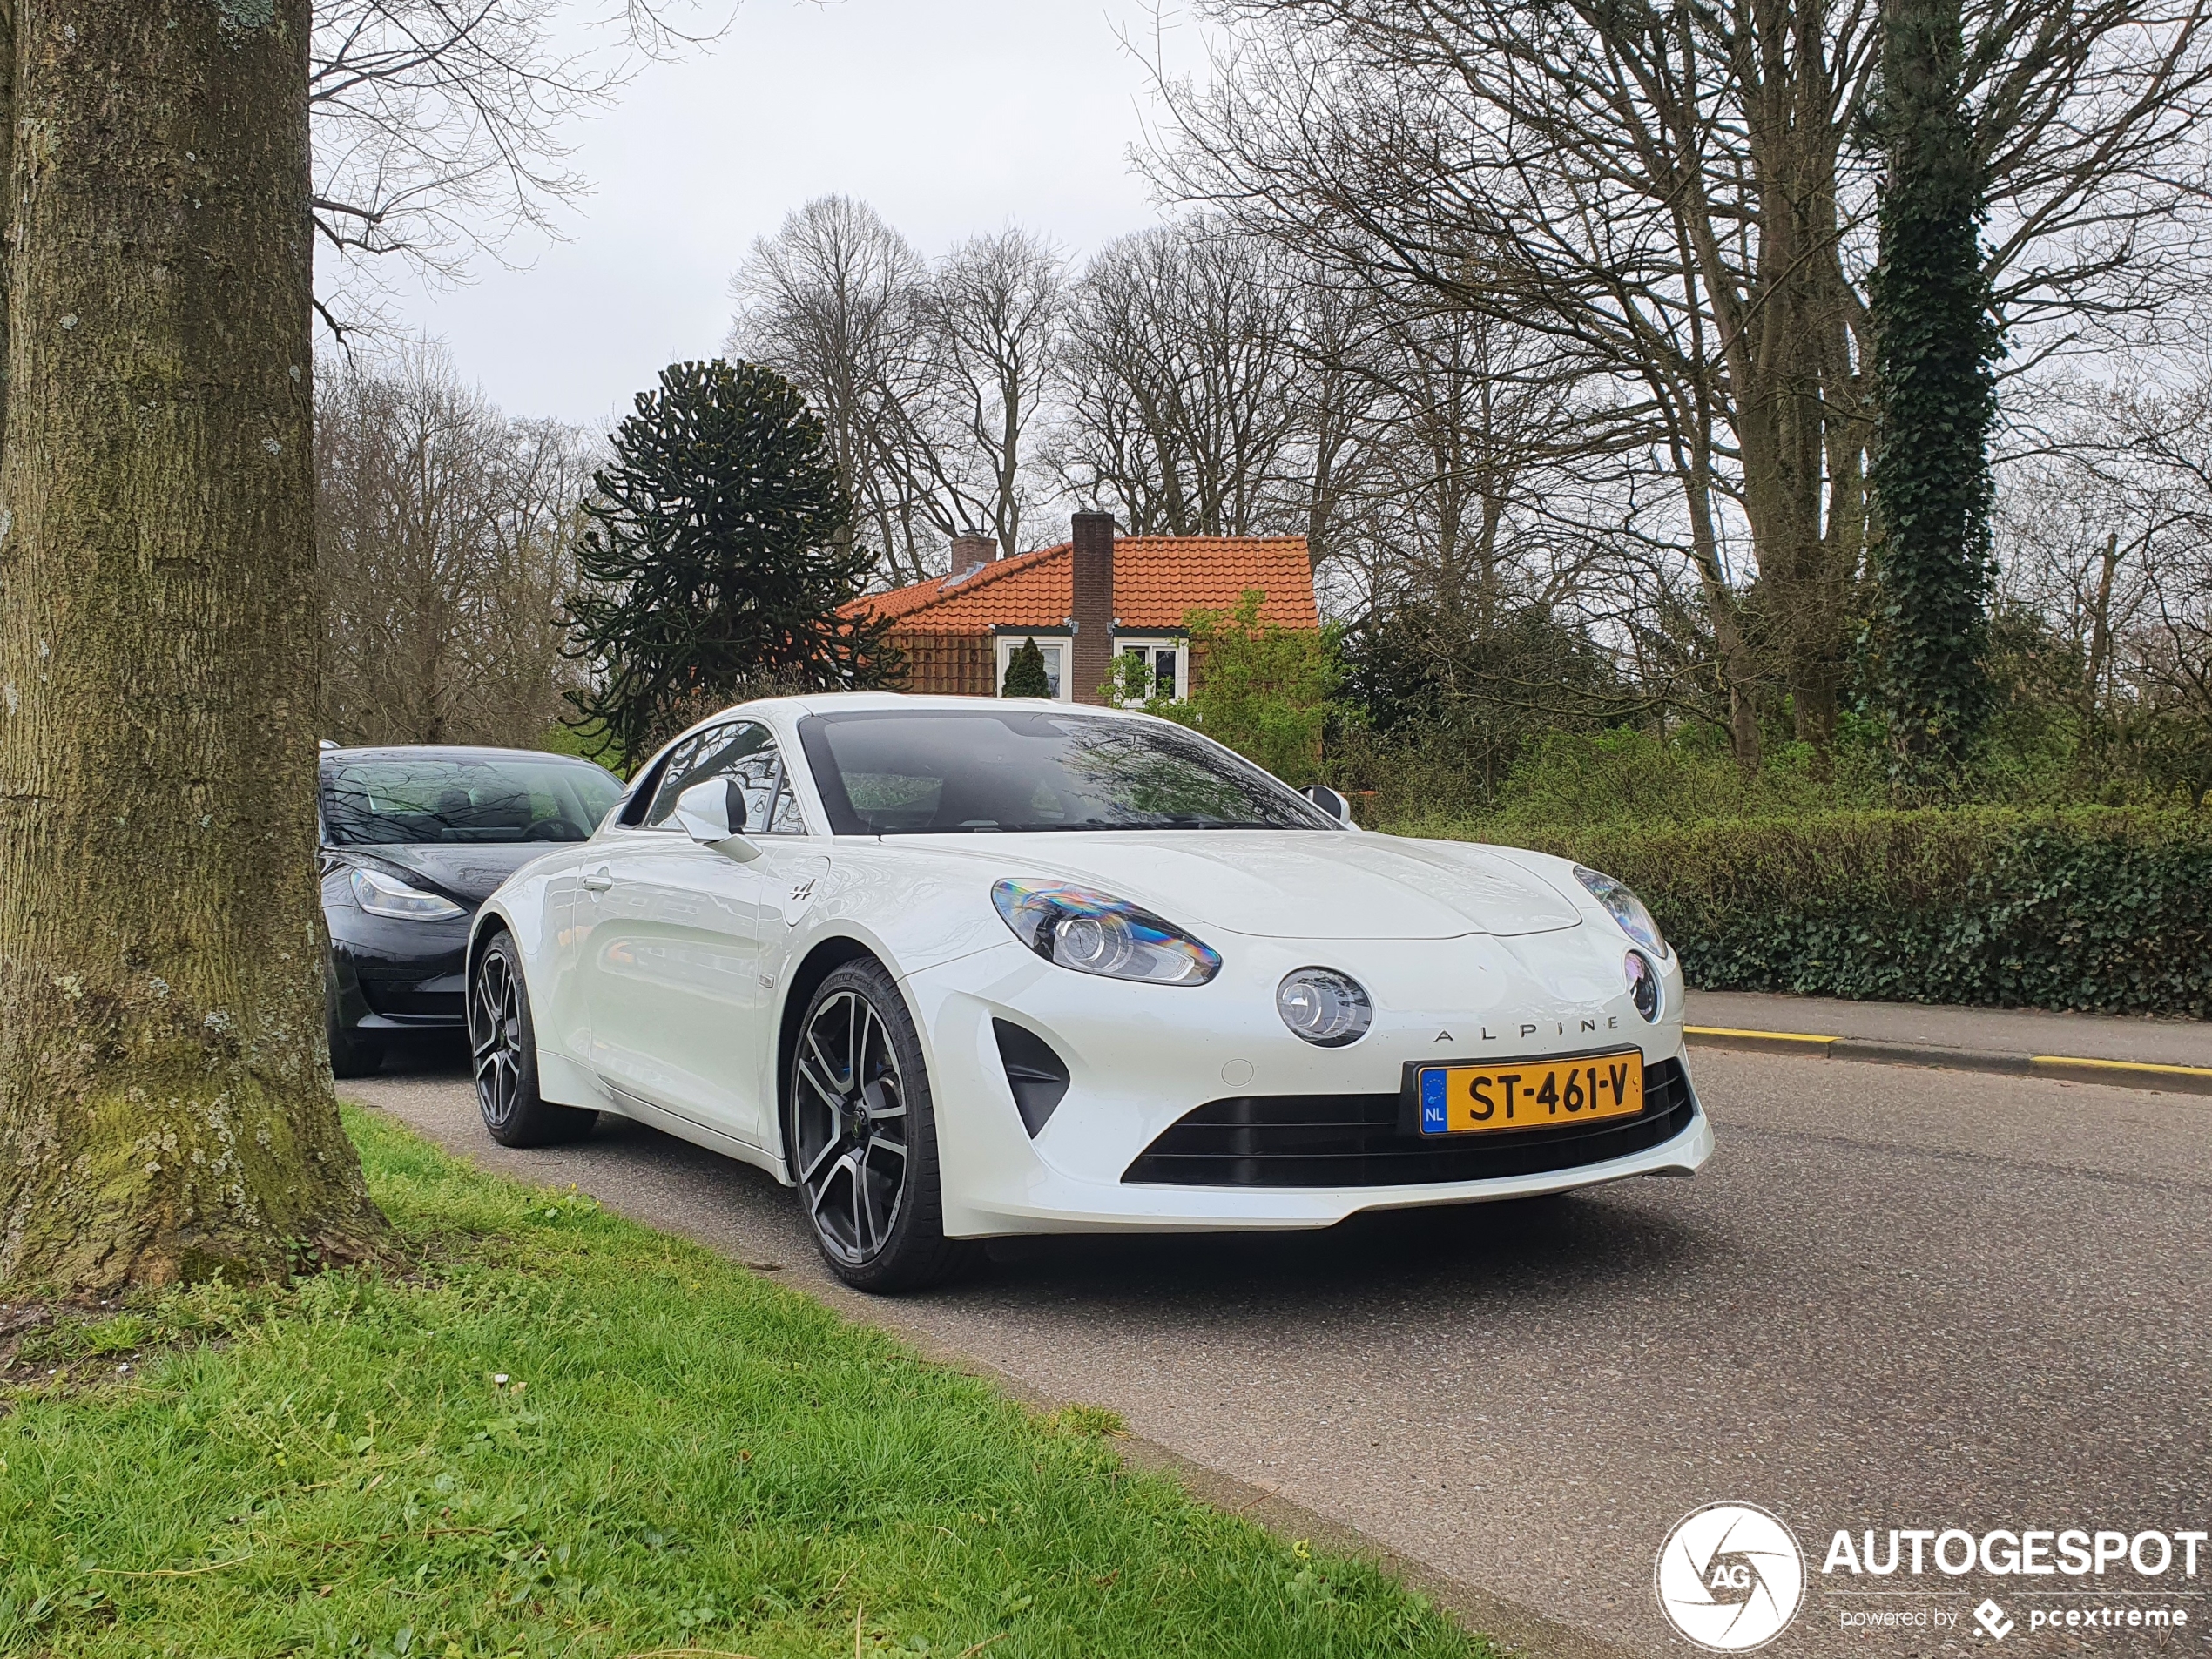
598,881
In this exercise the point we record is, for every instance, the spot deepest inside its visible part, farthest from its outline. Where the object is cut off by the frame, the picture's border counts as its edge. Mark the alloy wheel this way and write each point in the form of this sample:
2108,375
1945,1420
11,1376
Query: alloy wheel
849,1111
496,1037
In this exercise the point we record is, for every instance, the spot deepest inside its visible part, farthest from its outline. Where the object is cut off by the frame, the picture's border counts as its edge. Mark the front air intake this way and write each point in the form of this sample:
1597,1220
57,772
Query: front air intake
1358,1141
1036,1075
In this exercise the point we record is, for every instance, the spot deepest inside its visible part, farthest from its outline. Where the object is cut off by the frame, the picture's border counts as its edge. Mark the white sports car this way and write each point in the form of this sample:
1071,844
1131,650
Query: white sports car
958,968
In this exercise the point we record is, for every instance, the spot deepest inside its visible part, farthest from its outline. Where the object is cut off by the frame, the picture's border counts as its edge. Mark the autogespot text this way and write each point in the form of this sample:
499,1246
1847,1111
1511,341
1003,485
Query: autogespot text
2078,1552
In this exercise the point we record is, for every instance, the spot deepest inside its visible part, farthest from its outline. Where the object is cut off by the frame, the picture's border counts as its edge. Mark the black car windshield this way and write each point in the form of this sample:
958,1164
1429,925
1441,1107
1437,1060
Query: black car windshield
394,799
940,772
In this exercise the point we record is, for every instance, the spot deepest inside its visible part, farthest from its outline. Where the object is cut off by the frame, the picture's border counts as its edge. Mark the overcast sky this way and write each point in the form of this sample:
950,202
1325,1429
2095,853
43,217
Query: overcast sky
951,117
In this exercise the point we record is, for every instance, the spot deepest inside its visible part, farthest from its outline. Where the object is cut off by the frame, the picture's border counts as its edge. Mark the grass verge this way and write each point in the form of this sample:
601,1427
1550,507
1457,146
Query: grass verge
569,1434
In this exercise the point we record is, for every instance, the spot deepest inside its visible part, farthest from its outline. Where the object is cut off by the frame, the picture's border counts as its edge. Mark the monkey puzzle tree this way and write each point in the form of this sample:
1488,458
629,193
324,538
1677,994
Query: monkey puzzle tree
165,1103
715,556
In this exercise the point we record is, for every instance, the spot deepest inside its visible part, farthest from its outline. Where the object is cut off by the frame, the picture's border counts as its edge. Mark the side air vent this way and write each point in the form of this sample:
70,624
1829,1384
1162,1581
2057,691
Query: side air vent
1037,1075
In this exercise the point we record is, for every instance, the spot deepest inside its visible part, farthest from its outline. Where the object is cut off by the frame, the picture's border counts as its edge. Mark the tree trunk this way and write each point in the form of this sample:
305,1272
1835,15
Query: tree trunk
7,169
1780,360
1738,664
165,1103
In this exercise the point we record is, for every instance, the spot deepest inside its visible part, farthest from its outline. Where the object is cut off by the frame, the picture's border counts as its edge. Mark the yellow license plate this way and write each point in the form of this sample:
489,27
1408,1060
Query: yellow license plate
1530,1093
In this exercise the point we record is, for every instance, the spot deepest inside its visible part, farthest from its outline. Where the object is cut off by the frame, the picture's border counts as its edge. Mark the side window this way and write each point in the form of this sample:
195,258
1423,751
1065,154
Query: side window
769,808
699,758
745,753
787,819
637,808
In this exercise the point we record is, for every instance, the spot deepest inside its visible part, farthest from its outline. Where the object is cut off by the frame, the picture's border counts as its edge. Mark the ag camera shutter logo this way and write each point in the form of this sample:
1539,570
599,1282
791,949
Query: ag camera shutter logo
1731,1577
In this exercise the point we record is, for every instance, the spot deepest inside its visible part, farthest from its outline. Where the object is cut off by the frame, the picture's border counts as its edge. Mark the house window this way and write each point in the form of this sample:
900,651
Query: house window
1054,648
1168,662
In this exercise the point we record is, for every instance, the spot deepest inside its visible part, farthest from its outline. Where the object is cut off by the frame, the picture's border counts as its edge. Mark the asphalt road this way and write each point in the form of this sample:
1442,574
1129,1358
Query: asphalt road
1897,1298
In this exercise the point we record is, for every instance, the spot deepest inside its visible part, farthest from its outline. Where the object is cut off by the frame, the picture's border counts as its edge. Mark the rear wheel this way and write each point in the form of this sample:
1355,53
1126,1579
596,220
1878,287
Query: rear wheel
503,1046
864,1138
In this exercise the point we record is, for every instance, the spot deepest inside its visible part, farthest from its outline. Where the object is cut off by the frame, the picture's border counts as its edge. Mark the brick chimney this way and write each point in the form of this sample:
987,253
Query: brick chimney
970,550
1092,607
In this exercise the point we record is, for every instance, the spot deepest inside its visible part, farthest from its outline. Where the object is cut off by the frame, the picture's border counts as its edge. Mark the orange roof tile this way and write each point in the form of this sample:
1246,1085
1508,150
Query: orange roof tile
1157,579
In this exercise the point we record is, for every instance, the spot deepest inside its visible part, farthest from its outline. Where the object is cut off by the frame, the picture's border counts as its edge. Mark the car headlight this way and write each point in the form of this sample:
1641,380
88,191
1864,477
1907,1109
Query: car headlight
1325,1008
386,895
1644,989
1096,933
1625,908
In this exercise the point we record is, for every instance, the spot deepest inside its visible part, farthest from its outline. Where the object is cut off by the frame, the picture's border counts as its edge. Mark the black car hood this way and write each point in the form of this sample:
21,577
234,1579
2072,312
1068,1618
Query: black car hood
467,871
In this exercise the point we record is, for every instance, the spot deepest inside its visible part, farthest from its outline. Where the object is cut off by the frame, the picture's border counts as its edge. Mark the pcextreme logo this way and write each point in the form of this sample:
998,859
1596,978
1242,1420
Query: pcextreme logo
1731,1577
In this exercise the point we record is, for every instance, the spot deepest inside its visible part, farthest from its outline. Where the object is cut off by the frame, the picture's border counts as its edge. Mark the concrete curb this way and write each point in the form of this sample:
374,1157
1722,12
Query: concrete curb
2112,1074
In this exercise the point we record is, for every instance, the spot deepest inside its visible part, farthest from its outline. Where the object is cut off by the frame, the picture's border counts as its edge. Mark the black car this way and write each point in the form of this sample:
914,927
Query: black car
412,840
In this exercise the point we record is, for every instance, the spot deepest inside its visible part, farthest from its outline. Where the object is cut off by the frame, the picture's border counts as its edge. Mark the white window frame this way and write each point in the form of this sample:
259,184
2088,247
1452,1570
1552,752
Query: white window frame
1046,638
1151,643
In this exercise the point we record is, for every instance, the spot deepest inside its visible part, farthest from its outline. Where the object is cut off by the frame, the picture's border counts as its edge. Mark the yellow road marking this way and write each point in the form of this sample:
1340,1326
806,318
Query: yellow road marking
2121,1065
1767,1036
2049,1062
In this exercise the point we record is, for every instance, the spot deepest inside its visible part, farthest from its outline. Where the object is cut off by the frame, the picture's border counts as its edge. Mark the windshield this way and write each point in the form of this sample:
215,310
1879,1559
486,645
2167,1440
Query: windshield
947,772
448,798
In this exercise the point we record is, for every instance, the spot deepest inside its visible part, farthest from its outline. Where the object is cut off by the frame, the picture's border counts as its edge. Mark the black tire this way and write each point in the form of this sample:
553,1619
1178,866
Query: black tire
351,1054
503,1051
873,1204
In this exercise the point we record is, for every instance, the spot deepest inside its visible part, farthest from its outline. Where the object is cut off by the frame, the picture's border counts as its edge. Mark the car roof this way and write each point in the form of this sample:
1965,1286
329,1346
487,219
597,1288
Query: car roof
845,702
452,751
805,703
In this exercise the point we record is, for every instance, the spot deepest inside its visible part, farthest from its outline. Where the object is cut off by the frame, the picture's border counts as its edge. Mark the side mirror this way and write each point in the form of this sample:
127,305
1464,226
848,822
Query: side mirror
1330,802
712,814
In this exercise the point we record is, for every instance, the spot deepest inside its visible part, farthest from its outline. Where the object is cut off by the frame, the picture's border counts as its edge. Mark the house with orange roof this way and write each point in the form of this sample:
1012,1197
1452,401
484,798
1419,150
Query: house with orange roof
1085,602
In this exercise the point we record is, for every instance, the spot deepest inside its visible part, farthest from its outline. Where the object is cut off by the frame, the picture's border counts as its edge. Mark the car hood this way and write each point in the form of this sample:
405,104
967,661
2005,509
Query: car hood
1296,884
466,871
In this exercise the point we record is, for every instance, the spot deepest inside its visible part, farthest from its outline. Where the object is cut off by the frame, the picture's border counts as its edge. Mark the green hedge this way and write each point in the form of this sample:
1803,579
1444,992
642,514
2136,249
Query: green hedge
2106,911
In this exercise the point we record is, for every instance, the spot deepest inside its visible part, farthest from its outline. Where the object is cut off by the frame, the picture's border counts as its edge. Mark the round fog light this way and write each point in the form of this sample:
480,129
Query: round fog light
1643,984
1323,1007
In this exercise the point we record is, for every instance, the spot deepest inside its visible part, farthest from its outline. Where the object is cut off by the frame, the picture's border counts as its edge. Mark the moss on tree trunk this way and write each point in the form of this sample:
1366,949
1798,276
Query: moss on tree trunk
166,1104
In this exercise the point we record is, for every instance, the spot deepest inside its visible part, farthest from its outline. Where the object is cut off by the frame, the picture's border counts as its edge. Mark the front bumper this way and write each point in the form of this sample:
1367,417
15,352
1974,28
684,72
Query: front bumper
1140,1057
389,974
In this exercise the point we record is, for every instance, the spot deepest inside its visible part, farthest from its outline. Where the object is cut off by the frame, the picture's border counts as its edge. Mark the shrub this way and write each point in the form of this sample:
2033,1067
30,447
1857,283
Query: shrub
1260,688
591,743
1629,775
1025,675
2103,910
1620,776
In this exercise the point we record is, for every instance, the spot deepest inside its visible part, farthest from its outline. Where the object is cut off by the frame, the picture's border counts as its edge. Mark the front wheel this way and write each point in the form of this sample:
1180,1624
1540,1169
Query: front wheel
503,1048
864,1138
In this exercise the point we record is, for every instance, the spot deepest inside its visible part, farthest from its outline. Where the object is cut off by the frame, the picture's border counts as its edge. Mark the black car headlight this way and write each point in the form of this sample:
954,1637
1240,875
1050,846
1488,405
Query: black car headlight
386,895
1096,933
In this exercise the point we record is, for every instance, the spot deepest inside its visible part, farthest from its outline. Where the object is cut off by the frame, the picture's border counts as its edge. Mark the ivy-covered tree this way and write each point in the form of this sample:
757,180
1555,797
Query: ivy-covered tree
1025,675
716,557
1935,341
